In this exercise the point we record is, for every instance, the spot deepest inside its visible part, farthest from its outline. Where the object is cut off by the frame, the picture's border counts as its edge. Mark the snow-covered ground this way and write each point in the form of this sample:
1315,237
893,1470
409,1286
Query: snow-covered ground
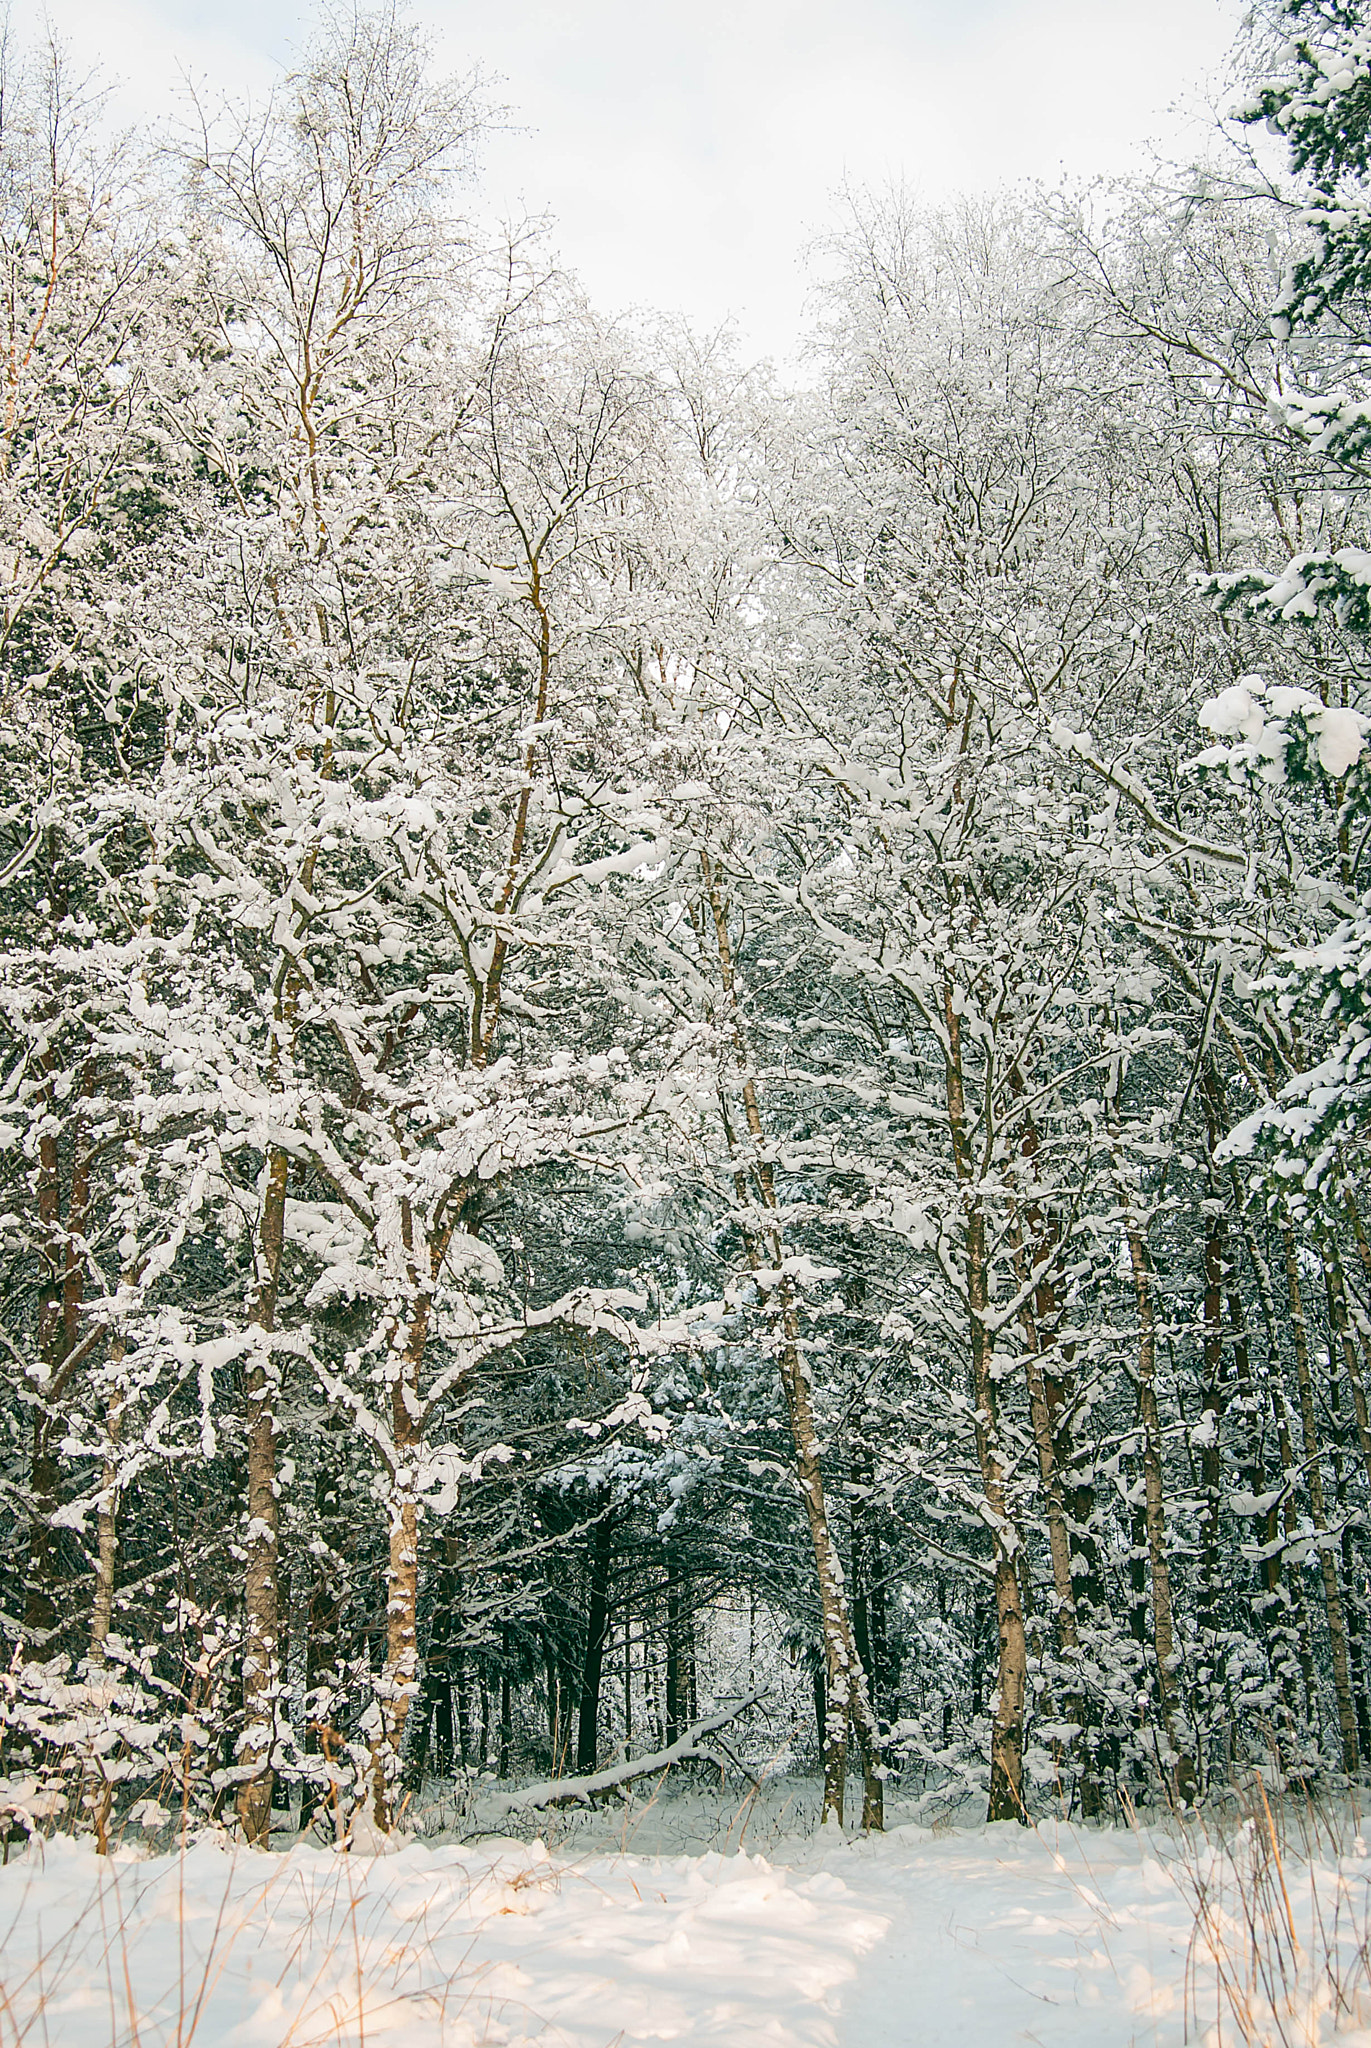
973,1936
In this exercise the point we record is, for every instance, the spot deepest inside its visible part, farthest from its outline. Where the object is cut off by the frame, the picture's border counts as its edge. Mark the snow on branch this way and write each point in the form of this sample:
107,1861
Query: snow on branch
691,1747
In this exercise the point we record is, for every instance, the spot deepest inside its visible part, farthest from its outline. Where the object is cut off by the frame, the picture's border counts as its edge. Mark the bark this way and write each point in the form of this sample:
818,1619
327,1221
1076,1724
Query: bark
106,1533
1356,1640
1137,1572
981,1611
466,1740
1060,1546
261,1591
820,1690
1218,1367
868,1597
845,1682
1058,1535
436,1690
444,1733
1006,1799
321,1661
421,1731
506,1704
1340,1321
1212,1409
1215,1373
1294,1592
1318,1514
1352,1606
1154,1503
552,1679
262,1611
399,1676
599,1560
1283,1521
847,1700
677,1706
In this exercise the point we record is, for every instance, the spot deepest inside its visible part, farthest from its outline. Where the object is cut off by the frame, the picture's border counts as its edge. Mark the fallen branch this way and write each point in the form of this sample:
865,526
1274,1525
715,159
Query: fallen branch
688,1748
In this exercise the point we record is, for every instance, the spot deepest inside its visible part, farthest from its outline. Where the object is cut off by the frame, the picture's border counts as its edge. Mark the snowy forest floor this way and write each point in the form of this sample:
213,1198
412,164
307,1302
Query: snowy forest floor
607,1935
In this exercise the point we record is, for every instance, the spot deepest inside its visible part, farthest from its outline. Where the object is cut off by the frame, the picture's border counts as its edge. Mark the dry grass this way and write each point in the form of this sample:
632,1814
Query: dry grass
343,1965
1280,1952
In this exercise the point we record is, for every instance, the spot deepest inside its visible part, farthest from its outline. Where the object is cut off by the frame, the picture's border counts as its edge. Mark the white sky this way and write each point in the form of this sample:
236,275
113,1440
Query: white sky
688,149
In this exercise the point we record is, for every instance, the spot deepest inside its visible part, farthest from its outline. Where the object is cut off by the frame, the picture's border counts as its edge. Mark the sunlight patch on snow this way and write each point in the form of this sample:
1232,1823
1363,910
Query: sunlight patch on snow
444,1947
946,1936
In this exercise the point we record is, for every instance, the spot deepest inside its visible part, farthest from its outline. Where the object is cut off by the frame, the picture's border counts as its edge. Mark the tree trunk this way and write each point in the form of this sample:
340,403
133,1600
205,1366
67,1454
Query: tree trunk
1163,1628
599,1558
1352,1605
1290,1630
847,1699
1212,1408
676,1714
1294,1588
1356,1641
1035,1237
261,1593
868,1592
1006,1800
1137,1570
506,1704
421,1730
106,1533
1209,1692
444,1735
820,1689
1059,1543
399,1678
466,1740
552,1679
1340,1321
628,1685
1318,1515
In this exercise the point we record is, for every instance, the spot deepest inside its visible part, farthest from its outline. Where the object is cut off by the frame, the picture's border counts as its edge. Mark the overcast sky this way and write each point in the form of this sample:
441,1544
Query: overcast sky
688,151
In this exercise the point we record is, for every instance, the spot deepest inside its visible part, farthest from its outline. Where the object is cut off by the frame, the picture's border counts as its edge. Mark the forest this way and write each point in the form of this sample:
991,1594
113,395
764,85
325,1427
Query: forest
680,1048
